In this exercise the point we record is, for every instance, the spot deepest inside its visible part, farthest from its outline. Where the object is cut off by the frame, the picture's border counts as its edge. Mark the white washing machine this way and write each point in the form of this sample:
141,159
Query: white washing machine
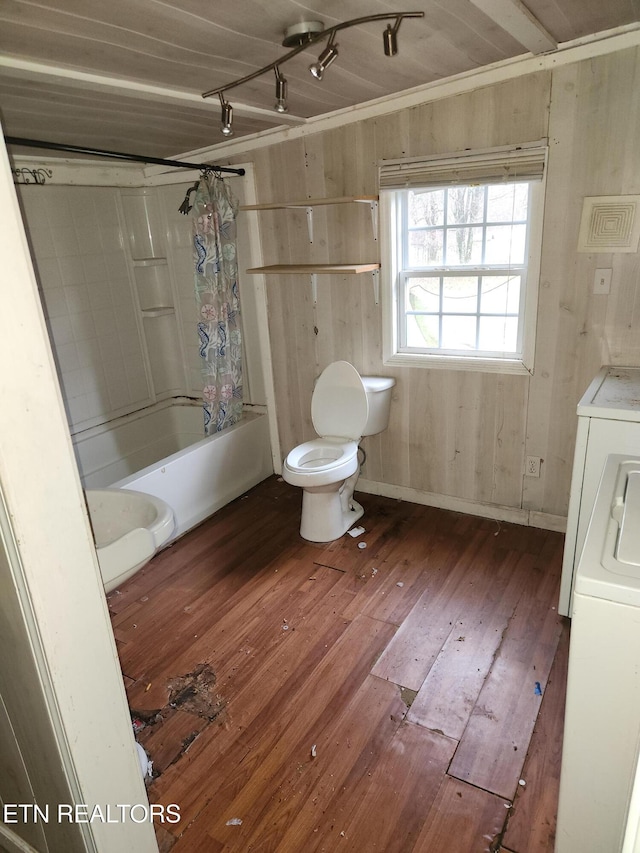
608,422
602,718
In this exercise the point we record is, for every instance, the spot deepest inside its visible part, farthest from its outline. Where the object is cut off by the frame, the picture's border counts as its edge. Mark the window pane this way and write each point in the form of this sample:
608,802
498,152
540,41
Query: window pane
425,248
505,244
423,294
422,331
465,204
499,333
500,294
460,295
464,246
507,202
425,208
459,333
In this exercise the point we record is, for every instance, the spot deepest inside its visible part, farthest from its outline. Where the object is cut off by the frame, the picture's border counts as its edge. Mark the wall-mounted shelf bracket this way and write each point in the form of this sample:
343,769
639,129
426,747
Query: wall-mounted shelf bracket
310,223
376,285
374,220
314,288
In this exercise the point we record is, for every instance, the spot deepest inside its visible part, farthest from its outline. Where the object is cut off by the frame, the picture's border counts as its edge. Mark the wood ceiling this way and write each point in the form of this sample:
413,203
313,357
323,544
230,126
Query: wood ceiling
128,75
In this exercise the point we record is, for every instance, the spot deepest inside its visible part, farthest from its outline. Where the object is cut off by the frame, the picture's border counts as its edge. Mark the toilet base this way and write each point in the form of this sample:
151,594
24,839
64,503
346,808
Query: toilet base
329,511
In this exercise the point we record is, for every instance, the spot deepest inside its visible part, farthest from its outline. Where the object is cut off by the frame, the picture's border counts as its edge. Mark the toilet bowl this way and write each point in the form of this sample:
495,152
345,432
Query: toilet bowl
345,406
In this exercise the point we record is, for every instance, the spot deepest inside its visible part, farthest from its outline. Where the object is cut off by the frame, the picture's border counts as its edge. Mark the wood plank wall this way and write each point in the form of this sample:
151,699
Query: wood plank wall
459,433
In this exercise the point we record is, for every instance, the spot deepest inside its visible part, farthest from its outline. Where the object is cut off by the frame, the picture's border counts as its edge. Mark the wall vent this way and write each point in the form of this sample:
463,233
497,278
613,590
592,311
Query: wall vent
610,223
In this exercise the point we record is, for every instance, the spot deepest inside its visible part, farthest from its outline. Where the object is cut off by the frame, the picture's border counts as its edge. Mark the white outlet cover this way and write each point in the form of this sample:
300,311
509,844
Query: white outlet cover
602,281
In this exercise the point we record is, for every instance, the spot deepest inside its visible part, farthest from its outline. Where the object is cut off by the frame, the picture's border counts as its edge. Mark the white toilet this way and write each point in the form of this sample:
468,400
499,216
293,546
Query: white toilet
345,406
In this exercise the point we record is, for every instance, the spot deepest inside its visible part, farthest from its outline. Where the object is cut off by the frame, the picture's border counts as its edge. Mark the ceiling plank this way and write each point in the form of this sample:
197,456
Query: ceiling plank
39,73
514,17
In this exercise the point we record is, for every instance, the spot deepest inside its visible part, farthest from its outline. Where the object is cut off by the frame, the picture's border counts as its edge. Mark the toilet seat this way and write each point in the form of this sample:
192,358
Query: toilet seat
321,461
339,405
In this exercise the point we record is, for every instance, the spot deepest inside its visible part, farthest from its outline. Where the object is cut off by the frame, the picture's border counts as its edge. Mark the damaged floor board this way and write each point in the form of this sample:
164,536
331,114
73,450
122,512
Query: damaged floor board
305,736
508,704
530,826
449,692
262,706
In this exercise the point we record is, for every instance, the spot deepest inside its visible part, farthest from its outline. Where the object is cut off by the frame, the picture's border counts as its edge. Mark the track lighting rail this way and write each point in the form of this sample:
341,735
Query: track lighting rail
314,39
311,37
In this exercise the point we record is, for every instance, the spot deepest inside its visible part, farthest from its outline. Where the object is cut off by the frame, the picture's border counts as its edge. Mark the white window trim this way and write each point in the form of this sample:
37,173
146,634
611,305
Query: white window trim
389,284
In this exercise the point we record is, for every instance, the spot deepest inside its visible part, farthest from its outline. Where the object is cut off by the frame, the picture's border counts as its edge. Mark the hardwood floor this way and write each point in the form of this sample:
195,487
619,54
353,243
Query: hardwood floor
404,697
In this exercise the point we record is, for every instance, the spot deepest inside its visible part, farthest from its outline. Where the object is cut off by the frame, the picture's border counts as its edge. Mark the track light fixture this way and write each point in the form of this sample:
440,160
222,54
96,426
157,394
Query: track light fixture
325,59
281,92
226,117
303,35
390,38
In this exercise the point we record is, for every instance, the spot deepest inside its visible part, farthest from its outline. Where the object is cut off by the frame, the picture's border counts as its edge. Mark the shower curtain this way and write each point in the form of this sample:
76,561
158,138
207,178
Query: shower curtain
216,284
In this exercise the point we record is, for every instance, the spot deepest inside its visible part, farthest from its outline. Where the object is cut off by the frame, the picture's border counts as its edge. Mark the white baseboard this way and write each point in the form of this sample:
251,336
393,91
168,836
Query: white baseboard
530,518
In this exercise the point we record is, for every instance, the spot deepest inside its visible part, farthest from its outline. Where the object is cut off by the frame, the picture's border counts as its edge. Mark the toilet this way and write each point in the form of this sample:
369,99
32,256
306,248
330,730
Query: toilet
345,407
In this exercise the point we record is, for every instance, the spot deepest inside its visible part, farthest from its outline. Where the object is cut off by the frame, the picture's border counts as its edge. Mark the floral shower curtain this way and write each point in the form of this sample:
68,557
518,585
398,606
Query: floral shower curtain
216,283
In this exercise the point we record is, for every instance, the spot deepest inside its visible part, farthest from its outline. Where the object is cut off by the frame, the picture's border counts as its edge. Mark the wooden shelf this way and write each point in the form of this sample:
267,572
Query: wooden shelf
316,269
311,202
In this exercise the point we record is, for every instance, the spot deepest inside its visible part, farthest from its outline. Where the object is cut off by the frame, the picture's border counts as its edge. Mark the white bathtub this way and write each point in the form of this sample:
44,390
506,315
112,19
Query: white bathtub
161,452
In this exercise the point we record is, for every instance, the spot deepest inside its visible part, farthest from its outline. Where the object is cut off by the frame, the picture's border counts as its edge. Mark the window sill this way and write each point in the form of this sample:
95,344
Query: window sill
448,362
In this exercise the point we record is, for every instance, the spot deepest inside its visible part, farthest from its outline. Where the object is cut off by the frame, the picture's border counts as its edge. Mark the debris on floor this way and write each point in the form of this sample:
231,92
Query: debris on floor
195,693
408,696
537,689
235,821
356,531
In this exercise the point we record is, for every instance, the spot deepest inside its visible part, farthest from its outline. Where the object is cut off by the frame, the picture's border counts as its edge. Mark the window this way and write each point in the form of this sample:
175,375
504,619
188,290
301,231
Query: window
461,260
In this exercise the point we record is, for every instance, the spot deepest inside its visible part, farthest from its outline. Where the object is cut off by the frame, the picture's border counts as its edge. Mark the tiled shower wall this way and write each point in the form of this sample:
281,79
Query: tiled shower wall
78,247
112,357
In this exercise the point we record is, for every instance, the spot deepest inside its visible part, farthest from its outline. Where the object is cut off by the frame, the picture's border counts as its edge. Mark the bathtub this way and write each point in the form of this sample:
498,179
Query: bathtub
160,451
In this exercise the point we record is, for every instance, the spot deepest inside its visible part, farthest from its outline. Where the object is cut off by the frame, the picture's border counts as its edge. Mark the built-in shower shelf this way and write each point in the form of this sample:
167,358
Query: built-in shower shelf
150,262
314,270
160,311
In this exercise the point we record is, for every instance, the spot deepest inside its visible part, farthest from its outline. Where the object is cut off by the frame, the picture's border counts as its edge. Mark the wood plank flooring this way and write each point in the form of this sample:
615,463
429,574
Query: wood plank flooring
393,698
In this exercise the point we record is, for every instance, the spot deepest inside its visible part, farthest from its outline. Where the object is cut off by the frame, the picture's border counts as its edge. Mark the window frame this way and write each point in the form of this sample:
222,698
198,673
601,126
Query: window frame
393,294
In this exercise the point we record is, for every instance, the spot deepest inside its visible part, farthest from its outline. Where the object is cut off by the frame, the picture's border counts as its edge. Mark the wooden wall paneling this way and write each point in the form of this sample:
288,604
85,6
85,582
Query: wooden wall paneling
552,384
501,437
590,133
621,342
289,298
591,152
389,135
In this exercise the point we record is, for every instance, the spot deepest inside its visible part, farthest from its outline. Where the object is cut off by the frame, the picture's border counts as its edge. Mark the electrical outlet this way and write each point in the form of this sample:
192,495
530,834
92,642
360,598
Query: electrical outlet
532,466
602,281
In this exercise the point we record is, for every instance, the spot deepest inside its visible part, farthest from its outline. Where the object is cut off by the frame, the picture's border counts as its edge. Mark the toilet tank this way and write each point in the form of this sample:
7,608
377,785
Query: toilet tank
378,390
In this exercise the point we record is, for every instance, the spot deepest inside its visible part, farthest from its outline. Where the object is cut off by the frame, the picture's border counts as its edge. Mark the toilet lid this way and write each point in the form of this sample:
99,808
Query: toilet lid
339,406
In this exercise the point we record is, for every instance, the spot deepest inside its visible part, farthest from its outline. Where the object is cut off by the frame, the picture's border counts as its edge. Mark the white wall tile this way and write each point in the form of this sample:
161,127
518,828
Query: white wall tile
65,240
61,329
55,303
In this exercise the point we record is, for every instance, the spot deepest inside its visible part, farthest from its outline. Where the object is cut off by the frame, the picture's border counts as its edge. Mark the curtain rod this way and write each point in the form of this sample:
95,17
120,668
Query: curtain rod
116,155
